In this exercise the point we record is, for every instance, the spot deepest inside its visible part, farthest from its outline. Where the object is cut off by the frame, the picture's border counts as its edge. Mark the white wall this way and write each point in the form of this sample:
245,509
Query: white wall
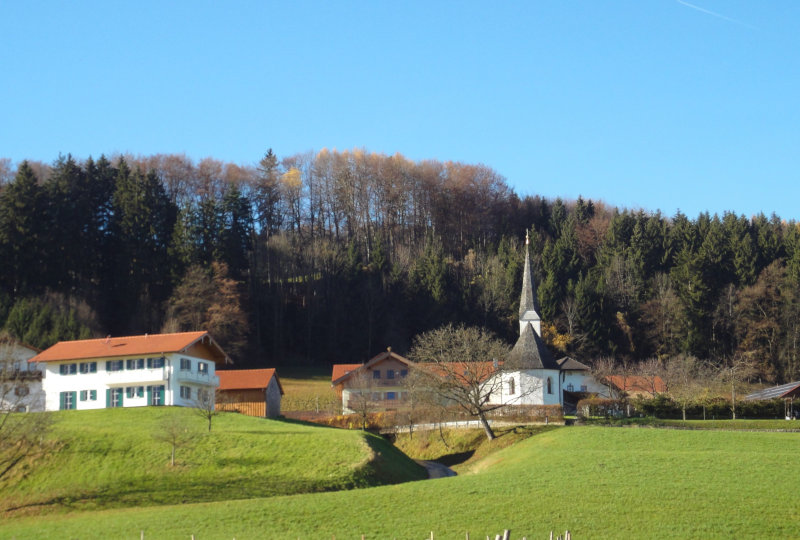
171,376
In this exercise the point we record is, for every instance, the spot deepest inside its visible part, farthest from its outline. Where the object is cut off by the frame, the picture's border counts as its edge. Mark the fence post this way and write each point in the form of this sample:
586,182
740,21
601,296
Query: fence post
507,534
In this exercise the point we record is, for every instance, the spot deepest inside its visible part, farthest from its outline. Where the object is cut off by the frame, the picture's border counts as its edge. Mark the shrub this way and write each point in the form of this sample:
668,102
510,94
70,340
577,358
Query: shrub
600,407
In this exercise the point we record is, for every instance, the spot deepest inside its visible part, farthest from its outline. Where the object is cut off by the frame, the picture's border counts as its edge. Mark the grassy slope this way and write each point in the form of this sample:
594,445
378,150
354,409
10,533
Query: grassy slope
110,458
597,482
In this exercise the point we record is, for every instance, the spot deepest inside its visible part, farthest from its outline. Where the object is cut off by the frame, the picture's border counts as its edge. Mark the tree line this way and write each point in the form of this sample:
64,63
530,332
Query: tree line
334,255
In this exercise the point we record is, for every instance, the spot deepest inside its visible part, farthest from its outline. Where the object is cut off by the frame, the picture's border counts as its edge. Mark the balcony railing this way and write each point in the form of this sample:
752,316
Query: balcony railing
203,377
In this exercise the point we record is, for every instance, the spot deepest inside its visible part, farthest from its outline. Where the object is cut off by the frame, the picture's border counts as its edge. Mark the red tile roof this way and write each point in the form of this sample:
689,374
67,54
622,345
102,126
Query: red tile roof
247,379
638,384
153,344
340,370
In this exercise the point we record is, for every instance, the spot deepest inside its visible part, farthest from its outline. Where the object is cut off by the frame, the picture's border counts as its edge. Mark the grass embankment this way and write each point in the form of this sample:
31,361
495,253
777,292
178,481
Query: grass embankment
596,482
111,458
461,449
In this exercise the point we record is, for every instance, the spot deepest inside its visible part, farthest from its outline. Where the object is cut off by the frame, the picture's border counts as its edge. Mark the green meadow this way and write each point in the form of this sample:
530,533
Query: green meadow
598,482
114,458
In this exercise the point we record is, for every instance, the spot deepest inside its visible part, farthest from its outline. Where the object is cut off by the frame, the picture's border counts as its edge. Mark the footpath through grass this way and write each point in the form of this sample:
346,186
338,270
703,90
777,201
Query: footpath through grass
597,482
110,458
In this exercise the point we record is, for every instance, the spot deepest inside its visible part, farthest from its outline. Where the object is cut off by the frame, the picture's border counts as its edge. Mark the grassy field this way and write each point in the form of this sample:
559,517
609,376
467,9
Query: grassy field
597,482
308,390
110,458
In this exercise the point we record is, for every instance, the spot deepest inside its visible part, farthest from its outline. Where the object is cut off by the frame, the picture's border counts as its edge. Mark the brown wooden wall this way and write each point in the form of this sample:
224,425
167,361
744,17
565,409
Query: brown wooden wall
249,402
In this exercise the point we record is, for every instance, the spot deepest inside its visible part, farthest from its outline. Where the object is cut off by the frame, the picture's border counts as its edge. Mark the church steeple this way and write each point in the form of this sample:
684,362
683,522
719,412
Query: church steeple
529,303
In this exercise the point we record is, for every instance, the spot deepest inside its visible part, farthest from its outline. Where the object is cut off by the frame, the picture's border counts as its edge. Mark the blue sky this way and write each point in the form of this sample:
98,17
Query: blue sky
653,104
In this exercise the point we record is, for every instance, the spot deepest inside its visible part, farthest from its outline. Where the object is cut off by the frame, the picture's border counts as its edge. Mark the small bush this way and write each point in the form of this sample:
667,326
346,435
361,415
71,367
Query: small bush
600,407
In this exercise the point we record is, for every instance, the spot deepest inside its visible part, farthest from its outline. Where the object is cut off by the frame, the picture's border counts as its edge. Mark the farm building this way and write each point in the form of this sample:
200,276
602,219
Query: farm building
380,378
133,371
637,385
254,392
787,392
20,380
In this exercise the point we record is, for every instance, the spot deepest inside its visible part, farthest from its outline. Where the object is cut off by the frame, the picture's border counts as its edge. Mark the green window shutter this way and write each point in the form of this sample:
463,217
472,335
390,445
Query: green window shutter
108,397
149,391
62,399
93,395
74,400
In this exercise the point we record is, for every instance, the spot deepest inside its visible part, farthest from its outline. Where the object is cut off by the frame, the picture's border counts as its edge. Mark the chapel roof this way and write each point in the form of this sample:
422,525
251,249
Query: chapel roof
530,352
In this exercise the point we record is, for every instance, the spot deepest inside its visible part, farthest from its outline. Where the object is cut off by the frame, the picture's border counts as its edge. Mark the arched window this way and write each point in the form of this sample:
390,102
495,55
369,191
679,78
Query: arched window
511,387
549,385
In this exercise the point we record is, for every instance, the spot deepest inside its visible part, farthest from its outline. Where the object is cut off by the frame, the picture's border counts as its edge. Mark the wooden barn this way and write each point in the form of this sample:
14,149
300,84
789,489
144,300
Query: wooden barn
254,392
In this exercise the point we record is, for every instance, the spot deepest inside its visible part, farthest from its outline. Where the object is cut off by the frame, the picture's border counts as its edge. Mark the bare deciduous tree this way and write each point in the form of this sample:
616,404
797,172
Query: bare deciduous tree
175,431
684,376
734,372
460,366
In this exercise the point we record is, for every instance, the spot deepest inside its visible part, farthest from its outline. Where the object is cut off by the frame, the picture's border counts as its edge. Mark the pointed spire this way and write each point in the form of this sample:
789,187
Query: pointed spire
528,301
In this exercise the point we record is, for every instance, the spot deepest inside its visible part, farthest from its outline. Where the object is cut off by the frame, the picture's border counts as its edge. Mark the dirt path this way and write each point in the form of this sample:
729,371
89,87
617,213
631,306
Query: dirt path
437,470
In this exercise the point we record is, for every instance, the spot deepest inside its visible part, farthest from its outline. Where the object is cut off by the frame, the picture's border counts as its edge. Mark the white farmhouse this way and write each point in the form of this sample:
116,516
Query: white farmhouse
133,371
20,380
534,376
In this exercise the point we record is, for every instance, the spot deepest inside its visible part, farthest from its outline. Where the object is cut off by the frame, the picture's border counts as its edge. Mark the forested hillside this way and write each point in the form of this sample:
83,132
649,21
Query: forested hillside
331,257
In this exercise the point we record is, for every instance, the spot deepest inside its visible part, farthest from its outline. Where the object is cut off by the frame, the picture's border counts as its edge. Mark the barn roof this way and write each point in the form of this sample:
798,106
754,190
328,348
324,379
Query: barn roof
637,383
247,379
342,372
147,344
791,389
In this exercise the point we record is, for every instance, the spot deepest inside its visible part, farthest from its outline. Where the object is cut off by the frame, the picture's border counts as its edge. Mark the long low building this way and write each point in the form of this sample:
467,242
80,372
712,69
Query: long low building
132,371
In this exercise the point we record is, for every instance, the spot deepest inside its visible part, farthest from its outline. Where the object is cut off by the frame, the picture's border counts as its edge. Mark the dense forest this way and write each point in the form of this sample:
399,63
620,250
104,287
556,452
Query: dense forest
333,256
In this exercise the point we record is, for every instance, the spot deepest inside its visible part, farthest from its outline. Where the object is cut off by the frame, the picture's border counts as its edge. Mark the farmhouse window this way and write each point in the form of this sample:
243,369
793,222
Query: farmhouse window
549,385
390,374
67,400
135,363
570,388
376,374
155,362
186,364
21,390
202,368
155,395
114,396
511,387
186,392
404,373
68,369
88,367
391,395
583,388
114,365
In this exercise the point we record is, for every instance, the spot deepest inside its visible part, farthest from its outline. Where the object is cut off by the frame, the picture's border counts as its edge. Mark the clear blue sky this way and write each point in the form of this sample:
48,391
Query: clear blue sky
654,104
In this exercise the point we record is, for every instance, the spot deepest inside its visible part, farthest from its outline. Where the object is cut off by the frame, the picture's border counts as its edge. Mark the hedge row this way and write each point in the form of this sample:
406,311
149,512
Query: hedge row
663,407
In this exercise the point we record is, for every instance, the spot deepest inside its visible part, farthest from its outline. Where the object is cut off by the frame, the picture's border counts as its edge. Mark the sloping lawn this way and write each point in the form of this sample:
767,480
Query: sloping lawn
113,458
597,482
